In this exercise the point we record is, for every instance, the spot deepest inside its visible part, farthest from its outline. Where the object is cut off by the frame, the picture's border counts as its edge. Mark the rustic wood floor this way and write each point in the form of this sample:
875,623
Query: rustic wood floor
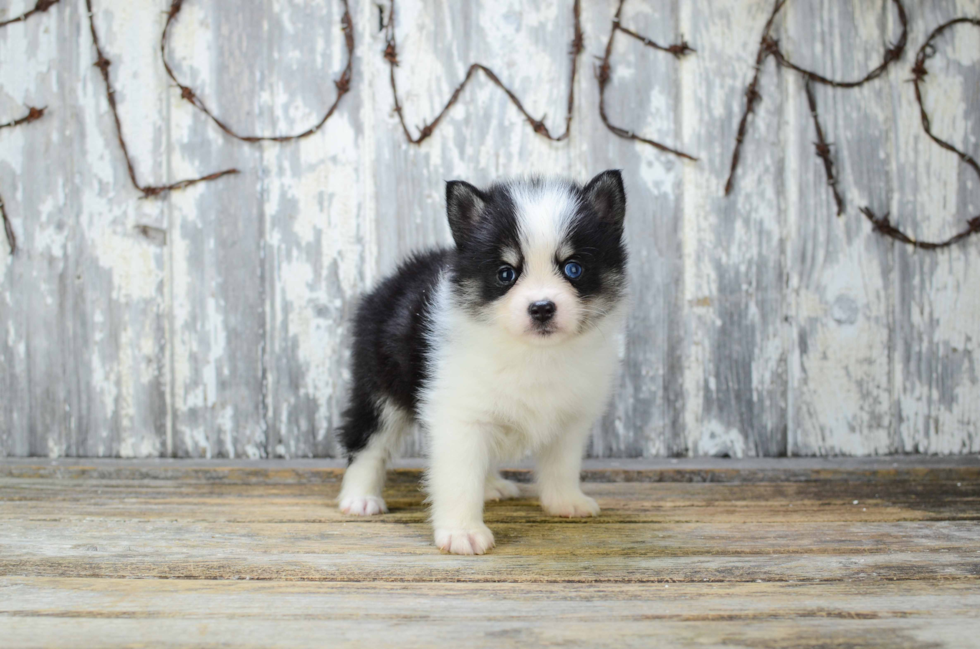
712,554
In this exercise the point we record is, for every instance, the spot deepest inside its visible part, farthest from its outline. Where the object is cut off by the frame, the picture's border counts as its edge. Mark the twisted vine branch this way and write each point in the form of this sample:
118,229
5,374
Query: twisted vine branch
538,125
33,114
39,7
187,93
603,75
769,46
148,191
919,73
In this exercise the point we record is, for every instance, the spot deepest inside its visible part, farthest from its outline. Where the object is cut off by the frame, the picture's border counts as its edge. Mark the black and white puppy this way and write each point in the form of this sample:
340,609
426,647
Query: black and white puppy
505,346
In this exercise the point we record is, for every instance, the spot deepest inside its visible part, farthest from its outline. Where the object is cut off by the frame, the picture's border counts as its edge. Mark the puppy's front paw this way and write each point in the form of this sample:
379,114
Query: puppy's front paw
363,505
473,540
575,505
498,488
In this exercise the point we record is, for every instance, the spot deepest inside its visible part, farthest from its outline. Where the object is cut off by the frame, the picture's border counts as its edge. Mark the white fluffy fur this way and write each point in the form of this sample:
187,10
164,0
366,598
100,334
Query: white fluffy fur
498,390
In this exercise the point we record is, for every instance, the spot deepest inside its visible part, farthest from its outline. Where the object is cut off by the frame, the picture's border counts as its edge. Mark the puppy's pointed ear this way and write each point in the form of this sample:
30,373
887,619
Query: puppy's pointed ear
608,196
464,203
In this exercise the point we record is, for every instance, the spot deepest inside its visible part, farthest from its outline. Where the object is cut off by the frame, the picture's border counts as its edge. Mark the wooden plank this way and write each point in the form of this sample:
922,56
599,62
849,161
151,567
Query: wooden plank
734,257
86,338
318,600
119,309
680,532
749,470
841,276
523,531
35,337
622,503
937,387
218,234
407,554
646,417
825,563
317,241
231,339
55,613
419,630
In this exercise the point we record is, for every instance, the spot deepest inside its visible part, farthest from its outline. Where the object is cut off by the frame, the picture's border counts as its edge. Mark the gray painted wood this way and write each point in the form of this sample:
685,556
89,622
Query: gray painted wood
937,306
761,325
734,258
648,418
841,277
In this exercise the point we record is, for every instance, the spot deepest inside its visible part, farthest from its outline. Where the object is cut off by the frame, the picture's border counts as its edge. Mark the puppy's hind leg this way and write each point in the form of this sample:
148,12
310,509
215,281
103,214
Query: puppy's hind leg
364,478
498,487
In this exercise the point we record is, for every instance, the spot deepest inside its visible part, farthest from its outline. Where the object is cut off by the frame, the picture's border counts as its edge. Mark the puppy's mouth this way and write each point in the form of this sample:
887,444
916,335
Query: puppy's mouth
543,330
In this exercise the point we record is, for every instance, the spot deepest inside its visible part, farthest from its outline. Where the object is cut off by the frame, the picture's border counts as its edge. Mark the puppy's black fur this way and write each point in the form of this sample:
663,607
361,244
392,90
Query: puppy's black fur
390,345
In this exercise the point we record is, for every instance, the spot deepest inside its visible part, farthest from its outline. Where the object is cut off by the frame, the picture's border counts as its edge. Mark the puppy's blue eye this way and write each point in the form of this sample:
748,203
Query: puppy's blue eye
506,275
573,270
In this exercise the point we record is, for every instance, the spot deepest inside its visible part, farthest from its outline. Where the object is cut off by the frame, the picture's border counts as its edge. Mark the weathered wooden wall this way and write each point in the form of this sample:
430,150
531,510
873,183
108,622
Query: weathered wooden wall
762,323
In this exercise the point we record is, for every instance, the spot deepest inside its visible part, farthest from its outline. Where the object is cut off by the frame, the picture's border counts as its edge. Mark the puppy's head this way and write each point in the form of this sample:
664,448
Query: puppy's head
543,259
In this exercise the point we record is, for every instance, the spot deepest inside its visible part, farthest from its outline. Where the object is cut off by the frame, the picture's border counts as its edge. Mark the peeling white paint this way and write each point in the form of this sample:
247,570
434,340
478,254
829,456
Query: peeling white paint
234,336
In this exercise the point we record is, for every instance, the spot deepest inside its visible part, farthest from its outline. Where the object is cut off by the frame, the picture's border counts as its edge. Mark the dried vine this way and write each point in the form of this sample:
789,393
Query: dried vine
39,7
823,147
8,229
33,114
187,93
391,55
769,46
919,72
148,191
603,75
752,95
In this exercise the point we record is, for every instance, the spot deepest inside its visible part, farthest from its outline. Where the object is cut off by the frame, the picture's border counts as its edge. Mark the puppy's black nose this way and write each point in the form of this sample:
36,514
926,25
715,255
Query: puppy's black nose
542,310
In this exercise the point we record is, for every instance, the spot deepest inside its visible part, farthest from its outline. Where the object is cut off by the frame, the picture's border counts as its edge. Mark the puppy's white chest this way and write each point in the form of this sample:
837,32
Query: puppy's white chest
536,394
535,406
